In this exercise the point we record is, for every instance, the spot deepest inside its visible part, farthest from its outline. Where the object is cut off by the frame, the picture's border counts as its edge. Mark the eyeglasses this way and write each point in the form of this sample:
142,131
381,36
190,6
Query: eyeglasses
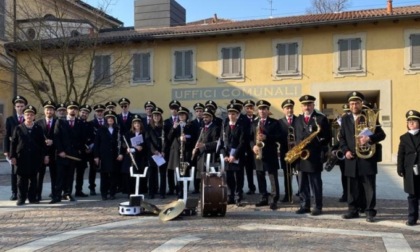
123,106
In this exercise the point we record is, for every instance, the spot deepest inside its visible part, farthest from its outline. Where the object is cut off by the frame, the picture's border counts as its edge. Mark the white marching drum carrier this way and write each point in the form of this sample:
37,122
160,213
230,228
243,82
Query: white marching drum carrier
133,207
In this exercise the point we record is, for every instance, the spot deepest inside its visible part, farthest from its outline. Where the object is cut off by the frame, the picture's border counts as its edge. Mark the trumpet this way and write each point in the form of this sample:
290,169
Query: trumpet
258,142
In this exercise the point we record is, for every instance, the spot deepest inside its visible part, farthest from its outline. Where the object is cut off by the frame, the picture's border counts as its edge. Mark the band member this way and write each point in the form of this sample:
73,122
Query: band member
47,125
207,140
12,122
249,154
341,163
360,170
168,124
213,106
156,140
138,150
87,153
148,107
70,142
311,123
264,135
110,106
408,164
108,154
61,111
287,126
197,124
181,136
96,123
235,140
28,154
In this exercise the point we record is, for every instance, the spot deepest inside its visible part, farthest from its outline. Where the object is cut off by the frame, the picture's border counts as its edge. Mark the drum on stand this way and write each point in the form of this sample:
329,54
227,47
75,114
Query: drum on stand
214,194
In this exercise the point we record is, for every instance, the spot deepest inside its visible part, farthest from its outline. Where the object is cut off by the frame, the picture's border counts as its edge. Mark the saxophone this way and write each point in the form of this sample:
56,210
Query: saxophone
361,124
260,144
299,151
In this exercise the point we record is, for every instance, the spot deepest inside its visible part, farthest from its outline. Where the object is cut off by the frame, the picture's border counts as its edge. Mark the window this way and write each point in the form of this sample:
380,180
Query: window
350,55
287,59
142,67
2,19
184,65
412,51
102,70
231,62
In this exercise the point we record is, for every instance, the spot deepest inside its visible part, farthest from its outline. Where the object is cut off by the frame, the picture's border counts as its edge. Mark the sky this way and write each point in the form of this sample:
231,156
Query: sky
236,9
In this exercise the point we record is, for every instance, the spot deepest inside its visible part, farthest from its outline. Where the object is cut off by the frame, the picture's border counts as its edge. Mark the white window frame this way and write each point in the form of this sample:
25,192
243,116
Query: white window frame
193,79
408,68
111,58
237,78
349,72
287,75
142,82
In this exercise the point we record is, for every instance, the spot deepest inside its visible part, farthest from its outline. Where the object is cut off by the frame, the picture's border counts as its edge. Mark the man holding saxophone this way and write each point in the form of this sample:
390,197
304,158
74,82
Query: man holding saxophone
264,135
359,135
312,137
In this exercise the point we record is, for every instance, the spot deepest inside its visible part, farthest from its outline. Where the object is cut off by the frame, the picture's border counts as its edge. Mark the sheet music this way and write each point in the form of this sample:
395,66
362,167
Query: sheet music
232,153
159,160
137,140
366,132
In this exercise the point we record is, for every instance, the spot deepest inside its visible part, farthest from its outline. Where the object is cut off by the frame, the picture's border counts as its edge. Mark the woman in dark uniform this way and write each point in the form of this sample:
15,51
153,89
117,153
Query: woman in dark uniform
108,153
139,152
408,164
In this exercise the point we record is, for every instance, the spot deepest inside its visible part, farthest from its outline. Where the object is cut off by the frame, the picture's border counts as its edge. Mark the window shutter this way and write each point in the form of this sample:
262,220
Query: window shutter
188,64
343,54
236,61
293,58
145,67
97,69
136,67
178,65
225,61
415,50
281,58
106,66
355,45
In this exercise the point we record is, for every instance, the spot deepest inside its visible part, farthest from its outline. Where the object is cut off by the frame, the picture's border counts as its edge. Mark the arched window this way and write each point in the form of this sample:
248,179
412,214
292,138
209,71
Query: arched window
49,17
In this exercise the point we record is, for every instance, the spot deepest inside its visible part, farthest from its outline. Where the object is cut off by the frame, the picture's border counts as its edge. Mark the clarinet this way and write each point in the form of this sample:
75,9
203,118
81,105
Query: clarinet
119,142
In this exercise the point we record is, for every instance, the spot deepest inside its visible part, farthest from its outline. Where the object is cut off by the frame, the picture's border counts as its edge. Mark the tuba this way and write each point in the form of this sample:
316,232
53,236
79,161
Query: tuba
299,151
260,144
364,123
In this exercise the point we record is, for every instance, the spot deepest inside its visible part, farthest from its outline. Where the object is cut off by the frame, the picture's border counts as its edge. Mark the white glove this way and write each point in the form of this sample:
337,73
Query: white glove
132,150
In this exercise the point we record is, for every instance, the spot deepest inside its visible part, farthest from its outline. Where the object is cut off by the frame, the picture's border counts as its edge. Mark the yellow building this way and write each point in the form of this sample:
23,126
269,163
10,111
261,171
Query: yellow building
375,51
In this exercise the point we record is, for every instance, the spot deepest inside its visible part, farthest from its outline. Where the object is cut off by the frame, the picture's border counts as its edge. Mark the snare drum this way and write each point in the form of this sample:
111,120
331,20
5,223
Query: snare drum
213,194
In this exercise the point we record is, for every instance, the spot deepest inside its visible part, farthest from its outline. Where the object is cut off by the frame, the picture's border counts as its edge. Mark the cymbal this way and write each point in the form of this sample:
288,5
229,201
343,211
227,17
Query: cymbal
172,210
149,207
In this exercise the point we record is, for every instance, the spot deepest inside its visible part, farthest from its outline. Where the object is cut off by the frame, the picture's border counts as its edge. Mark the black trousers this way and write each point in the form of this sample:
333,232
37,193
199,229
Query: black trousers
108,183
65,178
235,182
413,207
249,171
26,185
310,181
287,180
40,182
274,182
13,178
80,174
92,174
343,178
359,187
171,180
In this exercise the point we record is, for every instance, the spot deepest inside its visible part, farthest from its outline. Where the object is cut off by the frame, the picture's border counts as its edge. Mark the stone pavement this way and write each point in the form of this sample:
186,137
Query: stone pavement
94,225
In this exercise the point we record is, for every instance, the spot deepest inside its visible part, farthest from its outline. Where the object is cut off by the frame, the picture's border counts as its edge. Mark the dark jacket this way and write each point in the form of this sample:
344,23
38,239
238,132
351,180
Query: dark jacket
107,148
235,143
209,137
173,137
408,156
140,157
284,134
69,139
11,123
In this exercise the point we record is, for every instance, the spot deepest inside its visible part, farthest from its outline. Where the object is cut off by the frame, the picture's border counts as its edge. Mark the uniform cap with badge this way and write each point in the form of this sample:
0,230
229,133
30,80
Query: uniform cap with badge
412,115
86,107
49,104
20,99
110,105
73,105
212,104
110,113
263,104
287,103
149,104
249,103
198,105
124,101
99,107
307,99
157,110
136,118
29,109
174,104
208,112
183,110
355,95
234,108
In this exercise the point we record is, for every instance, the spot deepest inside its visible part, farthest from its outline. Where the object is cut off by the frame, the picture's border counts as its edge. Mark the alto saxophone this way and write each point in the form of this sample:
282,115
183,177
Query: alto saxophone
260,144
299,151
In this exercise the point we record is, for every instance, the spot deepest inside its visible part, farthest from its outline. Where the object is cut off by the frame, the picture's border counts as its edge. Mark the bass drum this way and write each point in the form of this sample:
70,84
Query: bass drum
213,194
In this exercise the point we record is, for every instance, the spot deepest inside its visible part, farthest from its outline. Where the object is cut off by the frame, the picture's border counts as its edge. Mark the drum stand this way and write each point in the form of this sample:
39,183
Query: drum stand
132,207
190,204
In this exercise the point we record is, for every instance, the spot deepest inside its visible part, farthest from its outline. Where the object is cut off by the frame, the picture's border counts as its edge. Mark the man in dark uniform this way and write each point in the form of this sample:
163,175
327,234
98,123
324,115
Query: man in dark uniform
360,169
70,142
213,106
87,153
110,106
341,163
287,126
168,124
47,125
307,124
197,124
265,131
12,122
148,107
28,154
249,154
235,140
125,118
61,111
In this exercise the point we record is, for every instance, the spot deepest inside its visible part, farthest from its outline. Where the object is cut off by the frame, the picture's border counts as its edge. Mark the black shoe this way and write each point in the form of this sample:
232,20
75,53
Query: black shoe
53,201
370,219
273,206
20,203
410,223
342,199
285,199
350,215
170,193
263,202
303,211
250,192
112,197
13,197
34,202
51,195
80,194
92,193
316,212
361,211
69,198
231,202
195,192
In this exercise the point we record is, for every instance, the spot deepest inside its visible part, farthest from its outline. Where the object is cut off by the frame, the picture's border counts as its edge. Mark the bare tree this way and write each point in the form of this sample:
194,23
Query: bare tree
59,58
327,6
